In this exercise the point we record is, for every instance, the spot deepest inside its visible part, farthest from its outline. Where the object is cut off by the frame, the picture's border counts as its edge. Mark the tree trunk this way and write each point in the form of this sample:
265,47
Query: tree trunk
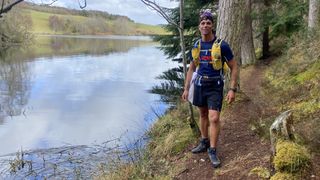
265,36
229,27
265,43
247,49
230,24
257,25
192,122
313,18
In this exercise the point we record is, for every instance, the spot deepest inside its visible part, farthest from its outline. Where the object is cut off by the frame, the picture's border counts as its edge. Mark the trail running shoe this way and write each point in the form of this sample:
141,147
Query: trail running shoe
212,152
202,147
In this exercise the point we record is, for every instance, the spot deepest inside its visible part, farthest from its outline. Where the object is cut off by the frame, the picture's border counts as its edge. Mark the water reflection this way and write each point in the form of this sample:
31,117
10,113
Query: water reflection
78,91
14,85
71,45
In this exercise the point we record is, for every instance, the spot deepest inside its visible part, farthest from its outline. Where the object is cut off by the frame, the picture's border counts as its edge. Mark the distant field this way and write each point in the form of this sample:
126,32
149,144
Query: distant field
152,29
40,24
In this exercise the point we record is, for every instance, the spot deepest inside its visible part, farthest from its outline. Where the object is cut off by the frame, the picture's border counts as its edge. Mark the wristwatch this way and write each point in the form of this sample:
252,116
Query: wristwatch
233,89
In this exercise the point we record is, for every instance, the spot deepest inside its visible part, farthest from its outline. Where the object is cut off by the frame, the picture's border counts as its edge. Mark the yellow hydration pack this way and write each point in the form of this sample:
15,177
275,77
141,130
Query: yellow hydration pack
216,59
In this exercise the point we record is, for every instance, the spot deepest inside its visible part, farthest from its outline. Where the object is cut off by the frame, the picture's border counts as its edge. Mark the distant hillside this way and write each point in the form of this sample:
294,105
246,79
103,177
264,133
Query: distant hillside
58,20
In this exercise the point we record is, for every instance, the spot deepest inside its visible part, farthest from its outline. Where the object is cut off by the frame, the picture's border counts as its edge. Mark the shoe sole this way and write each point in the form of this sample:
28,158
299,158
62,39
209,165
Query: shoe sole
197,152
216,166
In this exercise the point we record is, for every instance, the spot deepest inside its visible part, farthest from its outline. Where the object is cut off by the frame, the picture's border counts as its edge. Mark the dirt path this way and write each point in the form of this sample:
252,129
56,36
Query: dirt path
239,149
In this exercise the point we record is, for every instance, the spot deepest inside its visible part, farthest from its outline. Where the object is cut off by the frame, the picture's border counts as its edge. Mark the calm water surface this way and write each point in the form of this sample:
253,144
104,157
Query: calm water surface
78,91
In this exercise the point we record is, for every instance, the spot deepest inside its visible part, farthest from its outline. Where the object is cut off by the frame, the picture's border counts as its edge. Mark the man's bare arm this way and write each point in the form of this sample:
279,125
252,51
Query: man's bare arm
234,73
233,82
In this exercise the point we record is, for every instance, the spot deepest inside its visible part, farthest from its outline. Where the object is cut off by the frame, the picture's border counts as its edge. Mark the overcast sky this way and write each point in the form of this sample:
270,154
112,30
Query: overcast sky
134,9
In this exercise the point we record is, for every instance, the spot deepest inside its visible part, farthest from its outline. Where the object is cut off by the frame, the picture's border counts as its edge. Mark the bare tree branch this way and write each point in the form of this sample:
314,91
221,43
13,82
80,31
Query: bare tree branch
49,4
2,5
153,5
9,7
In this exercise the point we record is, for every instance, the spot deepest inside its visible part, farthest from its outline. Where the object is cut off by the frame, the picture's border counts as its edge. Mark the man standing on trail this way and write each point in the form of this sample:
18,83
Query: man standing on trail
206,72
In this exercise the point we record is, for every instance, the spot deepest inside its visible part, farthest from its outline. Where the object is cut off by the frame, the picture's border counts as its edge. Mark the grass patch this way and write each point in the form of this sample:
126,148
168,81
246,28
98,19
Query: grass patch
260,172
171,133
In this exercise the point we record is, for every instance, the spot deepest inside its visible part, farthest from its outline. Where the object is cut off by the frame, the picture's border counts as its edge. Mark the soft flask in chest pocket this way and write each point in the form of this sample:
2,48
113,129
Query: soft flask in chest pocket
216,56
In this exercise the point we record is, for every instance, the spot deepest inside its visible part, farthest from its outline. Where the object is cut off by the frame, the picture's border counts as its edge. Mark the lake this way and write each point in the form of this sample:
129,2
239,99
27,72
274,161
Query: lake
83,90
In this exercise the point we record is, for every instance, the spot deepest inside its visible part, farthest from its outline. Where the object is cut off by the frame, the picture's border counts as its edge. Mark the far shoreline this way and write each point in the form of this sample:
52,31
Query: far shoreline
125,37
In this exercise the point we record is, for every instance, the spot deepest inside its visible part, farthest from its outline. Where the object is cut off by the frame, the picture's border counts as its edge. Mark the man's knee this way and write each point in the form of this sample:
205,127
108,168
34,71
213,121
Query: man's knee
203,113
214,117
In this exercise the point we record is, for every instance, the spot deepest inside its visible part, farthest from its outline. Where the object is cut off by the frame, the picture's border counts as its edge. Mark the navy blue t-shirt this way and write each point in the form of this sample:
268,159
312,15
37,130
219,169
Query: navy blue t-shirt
205,68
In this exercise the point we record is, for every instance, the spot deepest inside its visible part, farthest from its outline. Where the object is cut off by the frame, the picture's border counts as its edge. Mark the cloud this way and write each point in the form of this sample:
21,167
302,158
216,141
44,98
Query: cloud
134,9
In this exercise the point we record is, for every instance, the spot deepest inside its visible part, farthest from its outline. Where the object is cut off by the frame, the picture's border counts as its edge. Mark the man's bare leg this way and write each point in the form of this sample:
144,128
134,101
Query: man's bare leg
204,122
214,135
214,121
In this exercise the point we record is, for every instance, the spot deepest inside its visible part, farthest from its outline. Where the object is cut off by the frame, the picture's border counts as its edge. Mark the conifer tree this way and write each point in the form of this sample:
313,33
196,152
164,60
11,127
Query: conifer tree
280,18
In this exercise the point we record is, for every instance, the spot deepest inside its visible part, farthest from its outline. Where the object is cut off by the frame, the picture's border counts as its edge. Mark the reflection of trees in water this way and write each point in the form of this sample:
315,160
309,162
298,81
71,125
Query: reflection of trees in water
97,46
14,84
49,46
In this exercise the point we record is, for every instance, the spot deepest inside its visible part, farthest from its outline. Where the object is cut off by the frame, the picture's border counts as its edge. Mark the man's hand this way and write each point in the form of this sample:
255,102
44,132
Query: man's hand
230,96
185,95
233,82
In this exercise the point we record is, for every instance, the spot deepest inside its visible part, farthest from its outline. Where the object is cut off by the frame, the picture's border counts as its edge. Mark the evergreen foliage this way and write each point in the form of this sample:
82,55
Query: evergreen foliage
171,87
283,17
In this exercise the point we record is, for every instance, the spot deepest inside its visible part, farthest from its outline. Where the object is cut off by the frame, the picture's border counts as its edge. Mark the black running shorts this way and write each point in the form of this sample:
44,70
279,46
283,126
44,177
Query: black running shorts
209,94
